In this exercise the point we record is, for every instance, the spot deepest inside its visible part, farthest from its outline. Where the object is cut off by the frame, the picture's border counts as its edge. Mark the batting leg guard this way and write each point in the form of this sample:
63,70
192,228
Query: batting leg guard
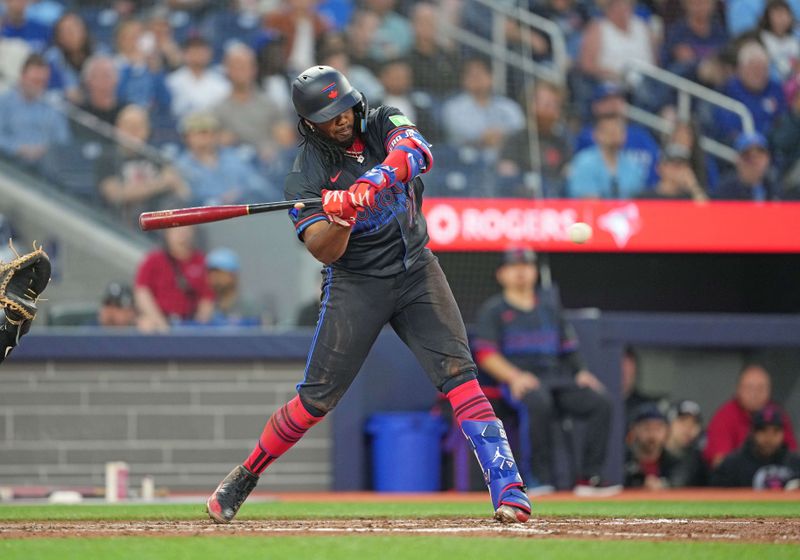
489,442
231,493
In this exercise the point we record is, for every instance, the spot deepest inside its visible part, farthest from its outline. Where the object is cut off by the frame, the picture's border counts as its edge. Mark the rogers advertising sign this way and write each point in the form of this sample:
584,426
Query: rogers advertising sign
462,224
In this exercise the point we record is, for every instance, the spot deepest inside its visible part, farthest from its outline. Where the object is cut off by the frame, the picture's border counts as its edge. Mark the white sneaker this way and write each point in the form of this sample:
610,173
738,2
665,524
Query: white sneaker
541,490
595,488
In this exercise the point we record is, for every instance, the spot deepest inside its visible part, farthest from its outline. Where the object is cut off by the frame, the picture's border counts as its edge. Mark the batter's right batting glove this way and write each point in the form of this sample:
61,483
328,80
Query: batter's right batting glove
339,207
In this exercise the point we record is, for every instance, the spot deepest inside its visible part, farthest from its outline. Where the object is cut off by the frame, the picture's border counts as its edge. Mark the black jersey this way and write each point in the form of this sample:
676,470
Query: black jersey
385,240
540,341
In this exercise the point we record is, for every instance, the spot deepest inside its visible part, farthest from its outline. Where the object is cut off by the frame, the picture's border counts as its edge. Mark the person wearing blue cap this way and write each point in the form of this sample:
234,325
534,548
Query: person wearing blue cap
752,178
609,98
230,308
648,464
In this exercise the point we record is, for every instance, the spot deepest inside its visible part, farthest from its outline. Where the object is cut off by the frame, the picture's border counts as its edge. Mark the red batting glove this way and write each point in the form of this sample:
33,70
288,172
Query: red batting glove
362,195
338,205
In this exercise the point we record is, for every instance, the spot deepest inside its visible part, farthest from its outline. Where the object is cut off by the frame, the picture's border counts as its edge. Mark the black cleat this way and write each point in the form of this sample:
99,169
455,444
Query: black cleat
230,495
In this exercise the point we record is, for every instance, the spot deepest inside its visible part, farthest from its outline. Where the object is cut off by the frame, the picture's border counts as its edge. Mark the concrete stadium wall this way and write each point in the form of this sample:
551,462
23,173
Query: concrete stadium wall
185,423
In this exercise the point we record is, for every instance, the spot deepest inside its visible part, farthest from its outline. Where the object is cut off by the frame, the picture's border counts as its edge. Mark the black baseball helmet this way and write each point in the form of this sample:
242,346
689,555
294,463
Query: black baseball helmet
320,93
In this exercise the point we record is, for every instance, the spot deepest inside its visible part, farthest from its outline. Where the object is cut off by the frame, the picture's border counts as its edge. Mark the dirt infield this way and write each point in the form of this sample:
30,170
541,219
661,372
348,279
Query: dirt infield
771,530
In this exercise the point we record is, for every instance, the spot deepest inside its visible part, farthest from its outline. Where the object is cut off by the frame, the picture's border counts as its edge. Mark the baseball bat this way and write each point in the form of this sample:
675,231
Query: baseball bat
204,214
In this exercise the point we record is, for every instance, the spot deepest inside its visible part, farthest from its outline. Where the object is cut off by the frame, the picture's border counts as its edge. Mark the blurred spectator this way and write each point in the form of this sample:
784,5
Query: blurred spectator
394,36
359,76
13,54
171,284
360,37
166,50
230,308
116,308
216,175
752,86
524,343
247,115
703,165
779,36
396,78
194,86
730,425
16,24
273,77
301,28
608,98
45,12
752,178
784,138
104,18
648,464
547,127
632,395
28,124
605,170
434,68
677,180
764,462
570,16
491,118
614,40
71,49
684,444
743,15
141,79
696,36
130,182
99,96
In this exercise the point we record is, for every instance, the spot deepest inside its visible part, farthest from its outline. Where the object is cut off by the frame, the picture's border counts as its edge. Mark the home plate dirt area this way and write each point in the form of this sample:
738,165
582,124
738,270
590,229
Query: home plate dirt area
766,530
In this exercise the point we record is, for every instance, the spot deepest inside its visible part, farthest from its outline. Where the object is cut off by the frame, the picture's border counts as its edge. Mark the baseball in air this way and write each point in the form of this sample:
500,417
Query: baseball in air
579,232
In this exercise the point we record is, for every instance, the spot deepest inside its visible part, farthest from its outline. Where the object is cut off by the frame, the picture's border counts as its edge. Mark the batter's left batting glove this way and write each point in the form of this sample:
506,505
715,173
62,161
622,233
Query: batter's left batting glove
372,182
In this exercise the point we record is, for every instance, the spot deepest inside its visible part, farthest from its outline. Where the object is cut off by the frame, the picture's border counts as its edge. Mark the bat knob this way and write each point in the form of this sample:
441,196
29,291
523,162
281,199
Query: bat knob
300,205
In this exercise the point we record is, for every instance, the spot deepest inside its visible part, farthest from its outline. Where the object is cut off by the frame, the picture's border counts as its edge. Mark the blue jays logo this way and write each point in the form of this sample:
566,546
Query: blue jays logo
389,203
331,90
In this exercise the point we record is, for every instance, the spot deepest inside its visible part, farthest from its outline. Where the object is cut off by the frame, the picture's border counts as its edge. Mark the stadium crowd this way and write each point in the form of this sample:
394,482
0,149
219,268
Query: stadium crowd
135,106
212,82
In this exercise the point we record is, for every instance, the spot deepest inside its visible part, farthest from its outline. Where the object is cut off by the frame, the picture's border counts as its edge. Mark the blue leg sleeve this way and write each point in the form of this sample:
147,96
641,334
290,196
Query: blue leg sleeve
489,442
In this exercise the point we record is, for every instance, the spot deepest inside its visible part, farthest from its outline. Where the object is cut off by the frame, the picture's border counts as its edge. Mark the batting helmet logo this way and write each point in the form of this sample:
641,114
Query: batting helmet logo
331,90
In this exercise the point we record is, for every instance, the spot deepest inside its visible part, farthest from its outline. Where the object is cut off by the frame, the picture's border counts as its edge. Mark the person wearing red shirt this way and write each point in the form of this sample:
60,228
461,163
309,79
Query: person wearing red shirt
171,284
730,425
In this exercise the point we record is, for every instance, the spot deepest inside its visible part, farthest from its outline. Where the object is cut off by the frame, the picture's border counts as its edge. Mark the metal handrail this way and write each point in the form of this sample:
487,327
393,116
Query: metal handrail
557,42
511,58
665,126
687,88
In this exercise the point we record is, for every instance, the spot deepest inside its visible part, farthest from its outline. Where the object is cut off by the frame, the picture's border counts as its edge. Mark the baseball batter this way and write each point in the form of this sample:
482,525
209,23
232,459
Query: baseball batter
370,235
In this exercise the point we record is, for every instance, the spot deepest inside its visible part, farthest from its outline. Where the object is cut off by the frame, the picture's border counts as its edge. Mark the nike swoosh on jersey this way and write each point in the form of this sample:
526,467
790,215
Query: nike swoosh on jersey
336,177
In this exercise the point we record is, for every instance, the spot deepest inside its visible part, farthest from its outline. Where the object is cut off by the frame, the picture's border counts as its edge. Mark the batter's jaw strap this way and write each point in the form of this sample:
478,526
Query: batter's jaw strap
408,149
490,445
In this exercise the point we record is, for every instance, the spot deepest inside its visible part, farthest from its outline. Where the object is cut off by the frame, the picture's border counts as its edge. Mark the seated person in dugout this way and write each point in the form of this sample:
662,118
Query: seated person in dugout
524,343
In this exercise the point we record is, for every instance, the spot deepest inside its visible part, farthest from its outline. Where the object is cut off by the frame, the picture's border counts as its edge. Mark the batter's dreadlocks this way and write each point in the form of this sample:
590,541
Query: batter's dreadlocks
332,153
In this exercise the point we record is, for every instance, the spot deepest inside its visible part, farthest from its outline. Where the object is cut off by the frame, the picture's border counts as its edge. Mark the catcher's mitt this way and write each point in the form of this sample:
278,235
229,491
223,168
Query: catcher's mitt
21,282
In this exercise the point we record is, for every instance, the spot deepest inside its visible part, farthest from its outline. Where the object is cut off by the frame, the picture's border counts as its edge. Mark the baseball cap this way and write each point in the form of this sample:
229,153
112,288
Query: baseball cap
118,295
685,408
223,259
607,89
770,415
676,152
199,121
518,255
748,140
647,411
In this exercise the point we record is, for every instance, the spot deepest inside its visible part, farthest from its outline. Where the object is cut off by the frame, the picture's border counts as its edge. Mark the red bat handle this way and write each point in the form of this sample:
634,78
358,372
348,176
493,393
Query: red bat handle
190,216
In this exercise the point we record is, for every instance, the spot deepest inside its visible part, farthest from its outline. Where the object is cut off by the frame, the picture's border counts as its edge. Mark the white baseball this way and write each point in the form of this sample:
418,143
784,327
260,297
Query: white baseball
579,232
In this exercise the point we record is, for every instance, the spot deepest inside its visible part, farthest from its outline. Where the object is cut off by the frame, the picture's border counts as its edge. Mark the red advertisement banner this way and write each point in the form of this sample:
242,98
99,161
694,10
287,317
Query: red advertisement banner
463,224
